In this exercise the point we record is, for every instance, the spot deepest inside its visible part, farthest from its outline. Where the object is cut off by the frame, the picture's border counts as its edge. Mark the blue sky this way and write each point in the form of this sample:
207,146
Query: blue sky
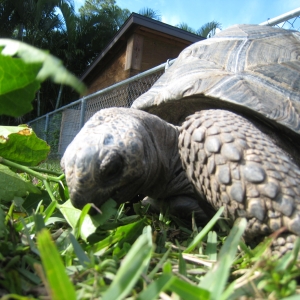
198,12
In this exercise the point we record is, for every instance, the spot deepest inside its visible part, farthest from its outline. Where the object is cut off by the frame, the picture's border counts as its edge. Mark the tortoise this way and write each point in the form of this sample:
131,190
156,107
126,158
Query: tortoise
219,128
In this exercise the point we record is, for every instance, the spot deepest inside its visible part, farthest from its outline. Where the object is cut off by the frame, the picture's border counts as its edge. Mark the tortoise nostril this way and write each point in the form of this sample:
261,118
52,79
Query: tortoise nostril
108,140
111,166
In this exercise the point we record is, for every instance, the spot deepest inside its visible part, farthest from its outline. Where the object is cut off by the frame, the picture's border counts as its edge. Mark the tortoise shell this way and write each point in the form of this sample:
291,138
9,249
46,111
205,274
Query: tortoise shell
250,69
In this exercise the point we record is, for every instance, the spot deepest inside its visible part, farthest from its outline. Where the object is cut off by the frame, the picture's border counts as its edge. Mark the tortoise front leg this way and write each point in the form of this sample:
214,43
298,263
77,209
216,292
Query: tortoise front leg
181,206
233,164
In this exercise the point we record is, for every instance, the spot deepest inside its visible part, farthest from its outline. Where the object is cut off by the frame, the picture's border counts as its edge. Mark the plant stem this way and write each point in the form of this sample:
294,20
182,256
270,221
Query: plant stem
10,213
41,170
30,171
47,186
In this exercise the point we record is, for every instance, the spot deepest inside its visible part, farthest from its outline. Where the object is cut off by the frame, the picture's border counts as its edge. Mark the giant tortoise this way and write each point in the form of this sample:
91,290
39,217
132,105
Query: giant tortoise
221,126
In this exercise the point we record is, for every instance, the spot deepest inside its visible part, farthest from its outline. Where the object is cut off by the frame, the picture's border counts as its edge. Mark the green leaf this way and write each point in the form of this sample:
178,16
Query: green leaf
87,224
108,209
52,67
70,213
32,200
21,145
83,217
81,222
59,282
132,267
127,233
11,185
18,85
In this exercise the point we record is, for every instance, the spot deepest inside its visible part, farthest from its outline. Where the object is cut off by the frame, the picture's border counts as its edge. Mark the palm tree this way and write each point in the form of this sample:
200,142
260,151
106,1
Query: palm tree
107,9
186,27
32,20
209,29
150,13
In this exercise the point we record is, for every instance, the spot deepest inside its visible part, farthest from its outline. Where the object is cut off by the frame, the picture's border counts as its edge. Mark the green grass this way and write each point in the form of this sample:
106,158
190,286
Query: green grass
50,249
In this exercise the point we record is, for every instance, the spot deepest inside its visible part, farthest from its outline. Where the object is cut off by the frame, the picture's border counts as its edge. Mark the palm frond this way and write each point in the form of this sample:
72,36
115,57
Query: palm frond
150,13
209,29
186,27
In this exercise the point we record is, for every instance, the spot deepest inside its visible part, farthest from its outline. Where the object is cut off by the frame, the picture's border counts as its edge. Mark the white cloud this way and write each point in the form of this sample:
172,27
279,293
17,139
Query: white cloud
171,19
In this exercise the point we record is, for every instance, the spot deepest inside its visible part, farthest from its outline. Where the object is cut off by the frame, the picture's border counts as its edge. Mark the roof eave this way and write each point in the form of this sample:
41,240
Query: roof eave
136,19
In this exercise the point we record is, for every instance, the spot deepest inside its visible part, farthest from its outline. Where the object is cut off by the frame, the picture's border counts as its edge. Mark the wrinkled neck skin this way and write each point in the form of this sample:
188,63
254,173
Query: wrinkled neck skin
165,174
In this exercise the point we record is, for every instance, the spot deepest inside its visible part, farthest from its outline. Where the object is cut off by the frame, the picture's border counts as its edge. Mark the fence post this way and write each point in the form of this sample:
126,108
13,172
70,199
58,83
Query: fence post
46,127
82,112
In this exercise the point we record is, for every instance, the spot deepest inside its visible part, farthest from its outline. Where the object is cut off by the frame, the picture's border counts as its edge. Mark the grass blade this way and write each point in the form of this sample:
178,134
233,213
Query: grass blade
59,283
156,287
189,291
198,238
132,267
221,269
81,255
211,248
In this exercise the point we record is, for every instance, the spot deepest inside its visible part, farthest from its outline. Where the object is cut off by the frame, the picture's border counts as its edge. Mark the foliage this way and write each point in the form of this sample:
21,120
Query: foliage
186,27
207,30
23,68
150,13
107,9
76,39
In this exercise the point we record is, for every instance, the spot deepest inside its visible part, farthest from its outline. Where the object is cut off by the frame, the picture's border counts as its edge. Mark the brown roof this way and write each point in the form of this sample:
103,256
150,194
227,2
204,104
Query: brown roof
134,21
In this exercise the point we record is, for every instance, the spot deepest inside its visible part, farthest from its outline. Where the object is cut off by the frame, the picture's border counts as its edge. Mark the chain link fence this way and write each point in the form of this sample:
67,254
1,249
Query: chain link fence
59,127
289,20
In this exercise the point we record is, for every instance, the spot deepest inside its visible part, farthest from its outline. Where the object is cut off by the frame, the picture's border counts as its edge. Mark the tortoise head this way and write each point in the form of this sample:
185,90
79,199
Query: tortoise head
106,159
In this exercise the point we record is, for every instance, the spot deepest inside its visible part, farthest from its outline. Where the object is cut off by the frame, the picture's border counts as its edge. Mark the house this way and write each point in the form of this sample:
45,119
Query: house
141,44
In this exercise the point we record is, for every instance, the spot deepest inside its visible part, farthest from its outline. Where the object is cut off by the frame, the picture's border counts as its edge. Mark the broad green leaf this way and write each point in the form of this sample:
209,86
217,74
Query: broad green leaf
21,145
52,67
127,233
70,213
221,269
59,282
84,216
32,200
89,224
132,267
108,209
73,215
18,85
11,185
